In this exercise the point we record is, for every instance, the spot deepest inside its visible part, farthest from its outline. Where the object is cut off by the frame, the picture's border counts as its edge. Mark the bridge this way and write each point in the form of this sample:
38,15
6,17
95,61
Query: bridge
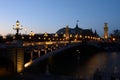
17,53
20,56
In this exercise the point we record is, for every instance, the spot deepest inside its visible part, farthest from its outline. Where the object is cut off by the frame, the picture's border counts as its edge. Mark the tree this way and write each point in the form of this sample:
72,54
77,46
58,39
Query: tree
1,38
116,34
9,37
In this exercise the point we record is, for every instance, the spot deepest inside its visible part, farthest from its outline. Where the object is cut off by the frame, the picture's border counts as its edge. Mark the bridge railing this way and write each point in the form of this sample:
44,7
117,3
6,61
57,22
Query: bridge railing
48,50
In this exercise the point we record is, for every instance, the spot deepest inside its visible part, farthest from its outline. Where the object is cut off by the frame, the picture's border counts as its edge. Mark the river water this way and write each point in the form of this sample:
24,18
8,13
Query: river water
108,62
104,61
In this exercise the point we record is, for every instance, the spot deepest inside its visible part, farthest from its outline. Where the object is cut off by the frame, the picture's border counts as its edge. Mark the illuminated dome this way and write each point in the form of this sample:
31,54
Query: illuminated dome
76,30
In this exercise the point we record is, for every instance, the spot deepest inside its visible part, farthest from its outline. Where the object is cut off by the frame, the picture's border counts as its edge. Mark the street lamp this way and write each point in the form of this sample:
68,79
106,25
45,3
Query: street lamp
17,27
31,33
56,35
80,36
45,34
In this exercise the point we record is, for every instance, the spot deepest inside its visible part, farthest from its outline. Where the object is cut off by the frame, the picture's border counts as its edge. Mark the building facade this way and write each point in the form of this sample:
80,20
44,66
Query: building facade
78,32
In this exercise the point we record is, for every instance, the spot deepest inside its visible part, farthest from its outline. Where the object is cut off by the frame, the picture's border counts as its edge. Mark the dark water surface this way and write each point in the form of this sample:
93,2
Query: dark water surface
78,66
104,61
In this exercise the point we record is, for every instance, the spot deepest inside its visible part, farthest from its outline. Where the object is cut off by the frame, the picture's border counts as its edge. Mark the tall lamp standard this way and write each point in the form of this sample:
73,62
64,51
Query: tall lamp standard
19,51
17,27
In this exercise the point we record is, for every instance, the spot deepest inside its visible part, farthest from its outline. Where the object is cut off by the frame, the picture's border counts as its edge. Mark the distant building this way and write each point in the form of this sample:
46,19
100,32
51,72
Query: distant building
78,31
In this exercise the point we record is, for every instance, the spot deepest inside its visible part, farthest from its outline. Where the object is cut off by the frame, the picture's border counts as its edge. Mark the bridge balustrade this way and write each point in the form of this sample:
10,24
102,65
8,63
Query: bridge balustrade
29,52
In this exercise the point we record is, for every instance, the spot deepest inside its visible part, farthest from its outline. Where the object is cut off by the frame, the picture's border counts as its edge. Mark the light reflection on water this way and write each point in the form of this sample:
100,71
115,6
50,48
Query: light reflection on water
104,61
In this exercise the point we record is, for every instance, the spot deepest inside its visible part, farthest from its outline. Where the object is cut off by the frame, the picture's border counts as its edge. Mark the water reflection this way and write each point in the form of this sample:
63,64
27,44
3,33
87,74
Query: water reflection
68,65
105,61
97,61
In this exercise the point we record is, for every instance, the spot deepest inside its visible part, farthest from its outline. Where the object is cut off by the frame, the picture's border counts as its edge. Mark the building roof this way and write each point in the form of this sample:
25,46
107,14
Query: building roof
76,30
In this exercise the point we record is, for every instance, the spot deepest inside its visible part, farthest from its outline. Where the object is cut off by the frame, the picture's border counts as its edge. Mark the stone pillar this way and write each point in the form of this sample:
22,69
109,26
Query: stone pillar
11,53
19,56
16,55
105,31
20,59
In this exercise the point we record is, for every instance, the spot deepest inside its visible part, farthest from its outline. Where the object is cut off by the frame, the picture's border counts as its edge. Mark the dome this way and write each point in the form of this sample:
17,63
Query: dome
76,30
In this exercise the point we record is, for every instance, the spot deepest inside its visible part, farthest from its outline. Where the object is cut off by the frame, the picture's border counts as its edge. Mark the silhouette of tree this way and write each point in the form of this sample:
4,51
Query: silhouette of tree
1,39
116,34
9,37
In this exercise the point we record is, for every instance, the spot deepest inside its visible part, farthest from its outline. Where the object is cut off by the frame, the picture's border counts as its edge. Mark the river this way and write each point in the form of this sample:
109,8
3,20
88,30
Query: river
104,61
62,65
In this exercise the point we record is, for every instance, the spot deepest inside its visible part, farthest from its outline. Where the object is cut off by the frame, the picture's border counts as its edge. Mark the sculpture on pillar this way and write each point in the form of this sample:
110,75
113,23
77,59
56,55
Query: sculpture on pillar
105,30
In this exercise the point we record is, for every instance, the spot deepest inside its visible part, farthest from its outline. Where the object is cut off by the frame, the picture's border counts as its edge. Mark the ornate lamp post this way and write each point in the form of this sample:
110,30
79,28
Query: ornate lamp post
19,51
17,27
31,33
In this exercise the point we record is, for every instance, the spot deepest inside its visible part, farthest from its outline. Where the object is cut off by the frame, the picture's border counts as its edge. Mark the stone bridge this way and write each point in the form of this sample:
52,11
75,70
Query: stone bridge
18,57
67,53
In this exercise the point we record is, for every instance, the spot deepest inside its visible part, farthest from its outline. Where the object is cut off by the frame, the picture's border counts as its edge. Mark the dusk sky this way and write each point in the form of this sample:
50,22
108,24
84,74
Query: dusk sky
42,16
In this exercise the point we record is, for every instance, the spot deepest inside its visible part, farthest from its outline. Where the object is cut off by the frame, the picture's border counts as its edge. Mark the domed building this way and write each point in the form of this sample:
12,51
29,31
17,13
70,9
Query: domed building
78,31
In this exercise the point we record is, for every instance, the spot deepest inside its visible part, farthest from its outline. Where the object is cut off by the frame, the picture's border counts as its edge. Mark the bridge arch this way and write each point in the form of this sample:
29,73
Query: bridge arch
64,54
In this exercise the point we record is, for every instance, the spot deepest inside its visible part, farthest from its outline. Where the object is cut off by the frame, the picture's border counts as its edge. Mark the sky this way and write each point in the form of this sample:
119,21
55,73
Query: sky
42,16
